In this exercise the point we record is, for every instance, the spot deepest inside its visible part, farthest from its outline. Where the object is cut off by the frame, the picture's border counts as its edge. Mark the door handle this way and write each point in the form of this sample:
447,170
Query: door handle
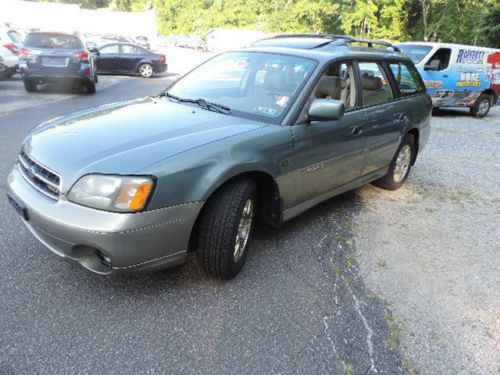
357,130
445,75
401,117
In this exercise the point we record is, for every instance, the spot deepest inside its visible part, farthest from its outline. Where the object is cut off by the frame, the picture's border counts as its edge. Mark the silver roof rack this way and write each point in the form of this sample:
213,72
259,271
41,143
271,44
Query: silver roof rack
339,40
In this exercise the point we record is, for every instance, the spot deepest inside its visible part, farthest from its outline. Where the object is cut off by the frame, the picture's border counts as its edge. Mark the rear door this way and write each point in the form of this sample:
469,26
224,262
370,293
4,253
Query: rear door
384,115
130,57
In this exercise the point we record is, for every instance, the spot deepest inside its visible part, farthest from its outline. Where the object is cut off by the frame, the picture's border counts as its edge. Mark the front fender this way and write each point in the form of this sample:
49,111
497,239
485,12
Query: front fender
194,176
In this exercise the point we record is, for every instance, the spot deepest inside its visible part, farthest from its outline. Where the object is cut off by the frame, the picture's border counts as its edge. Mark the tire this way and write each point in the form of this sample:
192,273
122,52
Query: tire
482,106
90,87
400,166
227,215
29,85
146,70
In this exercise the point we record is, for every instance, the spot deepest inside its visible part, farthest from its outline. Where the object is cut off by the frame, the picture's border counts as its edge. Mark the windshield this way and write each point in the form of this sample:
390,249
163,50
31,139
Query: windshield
414,51
54,41
251,83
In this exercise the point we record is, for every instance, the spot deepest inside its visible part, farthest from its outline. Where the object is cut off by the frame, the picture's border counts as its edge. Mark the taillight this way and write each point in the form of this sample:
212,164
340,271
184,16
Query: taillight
163,59
12,47
24,52
82,55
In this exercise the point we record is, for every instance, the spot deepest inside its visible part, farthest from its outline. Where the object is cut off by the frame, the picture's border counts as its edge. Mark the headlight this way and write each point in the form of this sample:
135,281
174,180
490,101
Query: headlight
112,193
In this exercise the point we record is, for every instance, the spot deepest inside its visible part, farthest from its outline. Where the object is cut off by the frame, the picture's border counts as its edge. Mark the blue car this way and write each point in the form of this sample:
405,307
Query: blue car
56,57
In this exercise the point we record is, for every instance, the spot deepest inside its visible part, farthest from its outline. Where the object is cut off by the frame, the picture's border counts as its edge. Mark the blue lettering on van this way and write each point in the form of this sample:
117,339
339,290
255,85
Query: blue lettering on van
468,56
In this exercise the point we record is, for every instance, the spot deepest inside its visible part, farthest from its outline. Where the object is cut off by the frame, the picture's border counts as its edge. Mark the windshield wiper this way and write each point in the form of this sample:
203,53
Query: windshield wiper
202,103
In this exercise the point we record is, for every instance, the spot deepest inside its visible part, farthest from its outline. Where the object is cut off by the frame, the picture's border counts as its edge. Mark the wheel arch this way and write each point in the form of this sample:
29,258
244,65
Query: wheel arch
491,93
145,61
269,205
416,135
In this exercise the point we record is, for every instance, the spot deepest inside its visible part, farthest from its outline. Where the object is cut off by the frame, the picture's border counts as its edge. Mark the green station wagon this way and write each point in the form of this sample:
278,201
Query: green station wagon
260,134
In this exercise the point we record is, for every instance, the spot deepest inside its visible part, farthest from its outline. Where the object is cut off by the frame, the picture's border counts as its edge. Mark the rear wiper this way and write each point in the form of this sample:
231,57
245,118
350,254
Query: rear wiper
202,103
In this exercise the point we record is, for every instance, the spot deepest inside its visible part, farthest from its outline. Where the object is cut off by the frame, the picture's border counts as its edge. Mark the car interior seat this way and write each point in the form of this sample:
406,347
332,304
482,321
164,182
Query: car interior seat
328,88
373,90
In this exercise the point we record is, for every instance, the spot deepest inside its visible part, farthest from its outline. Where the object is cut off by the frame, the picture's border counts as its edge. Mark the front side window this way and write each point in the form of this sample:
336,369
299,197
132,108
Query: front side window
374,84
407,78
251,84
337,83
439,60
109,50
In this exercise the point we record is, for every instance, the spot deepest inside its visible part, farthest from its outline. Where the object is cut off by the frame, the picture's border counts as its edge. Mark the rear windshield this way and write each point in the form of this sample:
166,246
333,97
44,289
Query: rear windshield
15,36
53,41
414,51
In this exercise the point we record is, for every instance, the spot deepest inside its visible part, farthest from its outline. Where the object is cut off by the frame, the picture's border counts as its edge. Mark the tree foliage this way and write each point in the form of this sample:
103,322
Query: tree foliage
459,21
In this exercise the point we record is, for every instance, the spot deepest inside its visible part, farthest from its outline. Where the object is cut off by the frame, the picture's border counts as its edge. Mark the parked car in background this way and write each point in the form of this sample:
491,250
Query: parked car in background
261,134
143,42
10,44
11,39
458,75
121,58
195,42
56,57
8,62
110,38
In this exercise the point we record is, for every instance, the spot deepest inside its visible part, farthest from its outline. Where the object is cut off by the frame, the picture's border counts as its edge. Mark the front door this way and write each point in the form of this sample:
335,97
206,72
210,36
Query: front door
107,59
327,154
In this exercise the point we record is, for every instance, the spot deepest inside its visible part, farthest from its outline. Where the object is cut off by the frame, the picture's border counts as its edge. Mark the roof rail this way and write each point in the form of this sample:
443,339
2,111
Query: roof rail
339,40
370,43
325,36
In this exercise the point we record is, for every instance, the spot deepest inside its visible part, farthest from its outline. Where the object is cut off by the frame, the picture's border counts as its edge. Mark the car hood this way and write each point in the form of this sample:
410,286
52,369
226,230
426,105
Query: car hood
126,137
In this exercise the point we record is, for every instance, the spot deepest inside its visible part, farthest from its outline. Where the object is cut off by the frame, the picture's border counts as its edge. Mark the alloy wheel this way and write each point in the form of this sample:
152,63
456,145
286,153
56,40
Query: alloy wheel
244,228
402,163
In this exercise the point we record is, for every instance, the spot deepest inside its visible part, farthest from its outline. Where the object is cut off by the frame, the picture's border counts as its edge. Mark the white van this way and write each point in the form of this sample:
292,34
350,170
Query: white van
457,75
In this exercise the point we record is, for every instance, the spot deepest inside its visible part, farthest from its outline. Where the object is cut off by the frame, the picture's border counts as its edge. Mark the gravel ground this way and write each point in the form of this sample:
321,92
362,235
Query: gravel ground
432,248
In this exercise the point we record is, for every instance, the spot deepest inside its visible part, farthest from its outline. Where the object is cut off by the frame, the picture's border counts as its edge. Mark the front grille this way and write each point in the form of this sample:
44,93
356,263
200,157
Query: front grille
42,179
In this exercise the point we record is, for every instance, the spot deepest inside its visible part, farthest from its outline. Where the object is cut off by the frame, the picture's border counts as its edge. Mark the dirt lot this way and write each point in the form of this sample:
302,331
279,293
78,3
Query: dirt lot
432,249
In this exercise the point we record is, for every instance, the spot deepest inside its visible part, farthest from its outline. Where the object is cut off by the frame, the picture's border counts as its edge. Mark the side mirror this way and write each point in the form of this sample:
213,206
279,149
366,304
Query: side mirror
95,51
325,110
432,65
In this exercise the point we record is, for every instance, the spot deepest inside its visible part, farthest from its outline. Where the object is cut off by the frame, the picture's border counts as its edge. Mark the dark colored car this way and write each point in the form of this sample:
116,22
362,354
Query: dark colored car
122,58
55,57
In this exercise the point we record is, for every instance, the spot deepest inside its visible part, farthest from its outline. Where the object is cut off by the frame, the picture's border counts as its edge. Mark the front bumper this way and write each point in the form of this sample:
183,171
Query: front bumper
106,242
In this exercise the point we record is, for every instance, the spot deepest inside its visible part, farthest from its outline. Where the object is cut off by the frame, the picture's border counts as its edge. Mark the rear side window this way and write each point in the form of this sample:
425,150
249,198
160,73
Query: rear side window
374,84
132,50
53,41
407,78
